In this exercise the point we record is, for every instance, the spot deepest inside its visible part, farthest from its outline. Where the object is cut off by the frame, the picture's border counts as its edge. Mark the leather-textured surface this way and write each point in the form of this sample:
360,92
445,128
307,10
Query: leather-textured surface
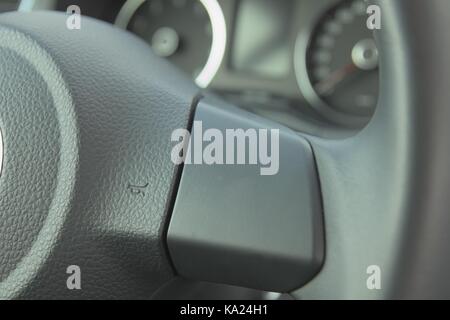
123,104
28,182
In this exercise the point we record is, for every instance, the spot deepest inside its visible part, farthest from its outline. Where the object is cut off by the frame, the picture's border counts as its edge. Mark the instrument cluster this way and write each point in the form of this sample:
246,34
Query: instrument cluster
313,59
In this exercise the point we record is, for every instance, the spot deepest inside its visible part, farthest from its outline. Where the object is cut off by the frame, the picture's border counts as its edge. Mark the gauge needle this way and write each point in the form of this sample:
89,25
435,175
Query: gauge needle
327,86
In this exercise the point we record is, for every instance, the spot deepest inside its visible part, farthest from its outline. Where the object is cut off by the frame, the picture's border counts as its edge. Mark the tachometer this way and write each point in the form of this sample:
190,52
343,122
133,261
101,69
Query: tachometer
189,33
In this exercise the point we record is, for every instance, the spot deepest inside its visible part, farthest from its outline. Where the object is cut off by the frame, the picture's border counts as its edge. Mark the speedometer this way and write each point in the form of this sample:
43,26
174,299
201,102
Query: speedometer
189,33
342,62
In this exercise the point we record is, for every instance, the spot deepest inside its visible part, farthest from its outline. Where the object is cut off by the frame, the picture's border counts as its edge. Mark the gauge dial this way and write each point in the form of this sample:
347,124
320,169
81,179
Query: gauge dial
342,60
189,33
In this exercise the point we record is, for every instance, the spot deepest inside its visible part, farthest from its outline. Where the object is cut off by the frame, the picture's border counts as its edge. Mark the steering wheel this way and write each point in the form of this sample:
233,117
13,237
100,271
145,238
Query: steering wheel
87,182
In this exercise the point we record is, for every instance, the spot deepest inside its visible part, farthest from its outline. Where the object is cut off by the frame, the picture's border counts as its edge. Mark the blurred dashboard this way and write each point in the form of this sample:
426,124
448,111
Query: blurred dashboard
305,63
8,5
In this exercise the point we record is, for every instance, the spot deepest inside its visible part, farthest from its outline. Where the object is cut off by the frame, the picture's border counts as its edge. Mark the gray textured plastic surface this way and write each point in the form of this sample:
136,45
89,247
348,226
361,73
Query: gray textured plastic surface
232,225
